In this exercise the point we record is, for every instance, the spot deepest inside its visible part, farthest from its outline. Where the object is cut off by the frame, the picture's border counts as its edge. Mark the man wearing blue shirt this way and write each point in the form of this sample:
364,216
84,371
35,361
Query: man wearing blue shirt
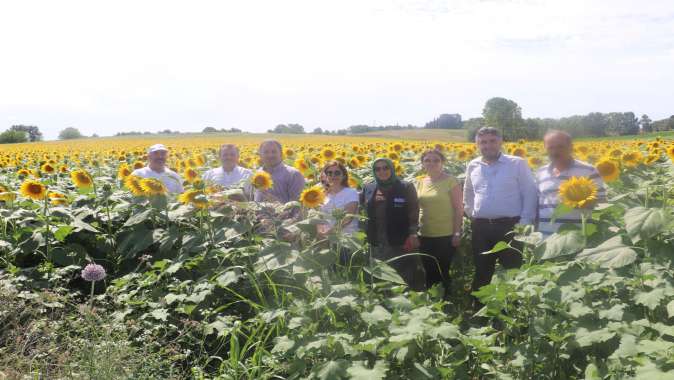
499,192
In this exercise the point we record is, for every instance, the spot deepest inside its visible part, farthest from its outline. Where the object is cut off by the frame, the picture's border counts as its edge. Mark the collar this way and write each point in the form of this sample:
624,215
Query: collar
234,169
574,163
274,168
501,158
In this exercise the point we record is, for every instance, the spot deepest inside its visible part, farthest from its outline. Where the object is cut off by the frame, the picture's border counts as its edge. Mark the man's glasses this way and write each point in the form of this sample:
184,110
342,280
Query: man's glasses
381,168
333,173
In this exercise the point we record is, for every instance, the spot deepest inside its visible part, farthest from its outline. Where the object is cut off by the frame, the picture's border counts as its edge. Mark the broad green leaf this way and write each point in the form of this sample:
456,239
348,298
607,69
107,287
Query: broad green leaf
642,222
358,371
587,338
283,344
649,371
228,278
160,314
138,218
627,348
171,298
566,243
383,271
650,299
62,232
610,254
615,313
592,372
378,314
498,247
560,211
332,370
670,309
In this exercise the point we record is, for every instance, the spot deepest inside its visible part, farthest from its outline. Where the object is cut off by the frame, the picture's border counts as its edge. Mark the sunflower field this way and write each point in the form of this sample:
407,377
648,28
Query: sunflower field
106,276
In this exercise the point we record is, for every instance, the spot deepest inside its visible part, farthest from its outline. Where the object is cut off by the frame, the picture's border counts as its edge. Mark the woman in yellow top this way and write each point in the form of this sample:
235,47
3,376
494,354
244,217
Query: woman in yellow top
441,217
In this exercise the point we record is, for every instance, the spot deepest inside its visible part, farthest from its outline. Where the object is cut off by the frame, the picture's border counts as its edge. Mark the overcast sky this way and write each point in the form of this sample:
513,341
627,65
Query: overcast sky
145,65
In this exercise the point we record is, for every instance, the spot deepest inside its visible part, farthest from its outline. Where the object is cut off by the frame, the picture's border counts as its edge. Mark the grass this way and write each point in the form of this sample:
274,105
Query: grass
421,134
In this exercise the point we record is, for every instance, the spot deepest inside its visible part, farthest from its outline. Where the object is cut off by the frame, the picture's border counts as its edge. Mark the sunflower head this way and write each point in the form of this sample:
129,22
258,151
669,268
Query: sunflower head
608,170
578,192
132,183
197,198
191,175
33,189
632,159
81,179
123,171
312,197
152,187
534,162
301,165
48,168
262,181
57,199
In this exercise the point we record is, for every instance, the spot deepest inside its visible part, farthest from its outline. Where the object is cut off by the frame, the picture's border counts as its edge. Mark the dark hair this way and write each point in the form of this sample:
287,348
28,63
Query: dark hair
433,151
345,174
228,146
487,131
552,132
275,142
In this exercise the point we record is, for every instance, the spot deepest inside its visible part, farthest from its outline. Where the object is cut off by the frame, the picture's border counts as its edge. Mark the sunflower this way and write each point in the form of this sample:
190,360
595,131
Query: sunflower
328,154
301,165
81,178
393,156
651,159
354,163
519,152
123,171
578,192
288,152
632,159
195,197
670,152
191,175
7,196
312,197
48,168
152,186
353,182
138,165
534,162
34,190
57,199
132,183
23,173
608,169
262,181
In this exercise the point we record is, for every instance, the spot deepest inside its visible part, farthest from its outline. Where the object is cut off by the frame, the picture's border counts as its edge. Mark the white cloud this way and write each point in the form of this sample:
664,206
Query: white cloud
161,64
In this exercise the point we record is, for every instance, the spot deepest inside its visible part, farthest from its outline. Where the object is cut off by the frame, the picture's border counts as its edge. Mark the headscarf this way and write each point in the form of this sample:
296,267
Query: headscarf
392,168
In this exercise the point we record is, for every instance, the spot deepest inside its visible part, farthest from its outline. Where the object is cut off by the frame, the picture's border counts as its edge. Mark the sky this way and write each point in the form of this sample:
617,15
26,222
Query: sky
107,67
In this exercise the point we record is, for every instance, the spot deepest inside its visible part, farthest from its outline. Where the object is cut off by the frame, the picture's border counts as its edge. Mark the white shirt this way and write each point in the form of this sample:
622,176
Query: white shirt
170,179
339,201
228,179
504,188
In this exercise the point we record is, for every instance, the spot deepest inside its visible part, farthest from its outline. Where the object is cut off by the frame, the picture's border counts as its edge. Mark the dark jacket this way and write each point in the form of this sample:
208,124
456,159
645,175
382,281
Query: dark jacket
402,212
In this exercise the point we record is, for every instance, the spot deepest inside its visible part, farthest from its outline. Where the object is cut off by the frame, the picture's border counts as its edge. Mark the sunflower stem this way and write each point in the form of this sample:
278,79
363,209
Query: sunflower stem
45,213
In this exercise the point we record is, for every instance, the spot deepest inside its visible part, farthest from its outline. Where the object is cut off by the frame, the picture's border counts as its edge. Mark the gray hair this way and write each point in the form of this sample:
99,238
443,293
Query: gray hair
556,132
488,131
275,142
223,147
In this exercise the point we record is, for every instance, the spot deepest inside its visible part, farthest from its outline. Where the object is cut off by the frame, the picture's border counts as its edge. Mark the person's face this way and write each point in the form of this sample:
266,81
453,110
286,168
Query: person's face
158,158
432,163
229,157
559,149
489,146
382,171
270,154
334,175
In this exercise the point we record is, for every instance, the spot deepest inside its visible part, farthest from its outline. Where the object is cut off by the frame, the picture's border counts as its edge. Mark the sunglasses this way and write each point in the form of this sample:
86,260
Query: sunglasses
381,168
333,173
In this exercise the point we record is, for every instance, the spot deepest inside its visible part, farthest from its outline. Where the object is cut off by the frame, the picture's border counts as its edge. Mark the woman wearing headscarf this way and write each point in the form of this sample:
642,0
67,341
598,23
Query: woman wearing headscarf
392,210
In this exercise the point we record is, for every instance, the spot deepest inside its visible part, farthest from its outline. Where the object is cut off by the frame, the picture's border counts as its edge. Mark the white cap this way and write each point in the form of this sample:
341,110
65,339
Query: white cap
156,148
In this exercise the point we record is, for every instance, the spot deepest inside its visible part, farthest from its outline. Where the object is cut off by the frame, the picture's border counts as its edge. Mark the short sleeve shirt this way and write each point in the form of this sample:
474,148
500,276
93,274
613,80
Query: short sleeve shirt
436,212
339,201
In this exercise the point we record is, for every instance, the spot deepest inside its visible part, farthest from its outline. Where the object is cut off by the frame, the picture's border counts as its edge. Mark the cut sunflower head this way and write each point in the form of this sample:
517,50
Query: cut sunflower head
578,192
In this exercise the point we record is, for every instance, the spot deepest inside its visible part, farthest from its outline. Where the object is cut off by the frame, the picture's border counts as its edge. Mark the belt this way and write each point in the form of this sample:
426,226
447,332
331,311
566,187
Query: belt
507,219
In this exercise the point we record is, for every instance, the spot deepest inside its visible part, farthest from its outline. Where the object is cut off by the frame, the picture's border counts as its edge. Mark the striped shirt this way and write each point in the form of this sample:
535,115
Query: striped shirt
548,193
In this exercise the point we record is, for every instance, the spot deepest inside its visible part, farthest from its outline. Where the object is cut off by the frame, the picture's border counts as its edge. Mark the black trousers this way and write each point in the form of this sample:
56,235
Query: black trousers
442,250
484,236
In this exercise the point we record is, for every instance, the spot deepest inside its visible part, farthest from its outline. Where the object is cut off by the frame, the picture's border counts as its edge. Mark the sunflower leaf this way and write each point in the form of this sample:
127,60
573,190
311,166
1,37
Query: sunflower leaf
642,222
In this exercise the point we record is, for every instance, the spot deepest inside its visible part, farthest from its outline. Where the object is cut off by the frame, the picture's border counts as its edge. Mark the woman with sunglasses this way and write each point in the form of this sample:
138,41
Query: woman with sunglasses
393,217
339,195
441,209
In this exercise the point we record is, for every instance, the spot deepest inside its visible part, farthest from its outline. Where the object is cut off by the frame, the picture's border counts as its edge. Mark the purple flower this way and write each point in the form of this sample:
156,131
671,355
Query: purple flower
93,272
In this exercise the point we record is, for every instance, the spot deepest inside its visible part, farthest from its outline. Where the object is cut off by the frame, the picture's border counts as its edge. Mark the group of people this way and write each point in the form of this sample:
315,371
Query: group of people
426,215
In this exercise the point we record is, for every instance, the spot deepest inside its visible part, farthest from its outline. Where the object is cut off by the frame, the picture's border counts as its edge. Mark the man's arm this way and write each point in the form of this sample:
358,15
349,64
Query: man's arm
468,194
528,192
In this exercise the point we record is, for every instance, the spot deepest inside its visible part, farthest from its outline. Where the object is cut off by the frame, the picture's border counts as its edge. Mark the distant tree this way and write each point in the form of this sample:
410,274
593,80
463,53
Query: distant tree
505,115
209,130
664,124
317,131
646,124
471,126
95,135
33,131
290,128
622,123
70,133
11,137
445,121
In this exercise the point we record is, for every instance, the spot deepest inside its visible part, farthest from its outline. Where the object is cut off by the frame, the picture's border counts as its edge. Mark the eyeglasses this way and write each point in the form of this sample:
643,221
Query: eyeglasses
433,160
381,168
333,173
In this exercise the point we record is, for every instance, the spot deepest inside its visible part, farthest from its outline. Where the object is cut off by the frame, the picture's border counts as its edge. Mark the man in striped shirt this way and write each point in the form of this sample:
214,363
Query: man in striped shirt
562,166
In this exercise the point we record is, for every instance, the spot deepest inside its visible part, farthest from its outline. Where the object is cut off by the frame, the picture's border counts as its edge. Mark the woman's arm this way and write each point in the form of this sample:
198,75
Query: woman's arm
457,204
349,208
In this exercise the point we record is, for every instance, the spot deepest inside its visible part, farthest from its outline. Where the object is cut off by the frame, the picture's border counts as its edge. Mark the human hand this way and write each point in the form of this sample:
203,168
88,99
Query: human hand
456,241
411,243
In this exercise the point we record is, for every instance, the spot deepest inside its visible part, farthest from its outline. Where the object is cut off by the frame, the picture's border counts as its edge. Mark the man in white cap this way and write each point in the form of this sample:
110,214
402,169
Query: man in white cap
156,168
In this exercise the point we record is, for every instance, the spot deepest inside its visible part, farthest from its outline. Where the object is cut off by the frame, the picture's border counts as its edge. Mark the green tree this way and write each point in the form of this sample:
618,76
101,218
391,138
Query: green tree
646,124
505,115
209,130
446,121
32,131
10,137
70,133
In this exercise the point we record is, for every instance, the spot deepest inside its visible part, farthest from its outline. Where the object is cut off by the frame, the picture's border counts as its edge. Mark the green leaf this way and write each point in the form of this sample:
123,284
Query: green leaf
283,344
592,372
378,314
160,314
332,370
138,218
566,243
650,299
62,232
383,271
670,309
135,241
358,371
642,222
615,313
587,338
610,254
228,278
627,348
498,247
559,211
